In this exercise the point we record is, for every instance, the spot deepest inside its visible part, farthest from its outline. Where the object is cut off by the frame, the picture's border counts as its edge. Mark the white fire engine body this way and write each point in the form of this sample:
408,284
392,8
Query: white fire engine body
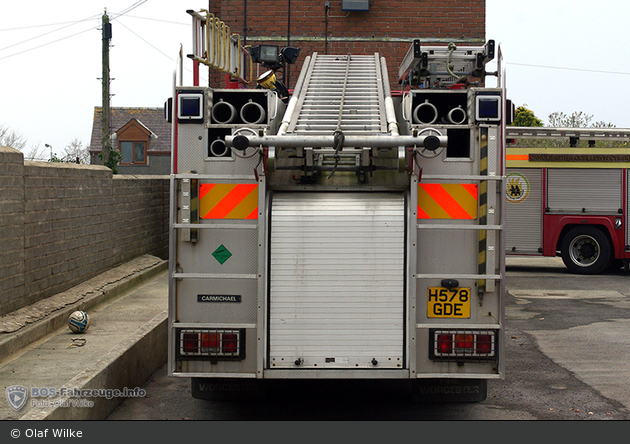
347,235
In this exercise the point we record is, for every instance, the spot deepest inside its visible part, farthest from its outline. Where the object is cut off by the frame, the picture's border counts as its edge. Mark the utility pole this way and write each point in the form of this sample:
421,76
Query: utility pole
106,142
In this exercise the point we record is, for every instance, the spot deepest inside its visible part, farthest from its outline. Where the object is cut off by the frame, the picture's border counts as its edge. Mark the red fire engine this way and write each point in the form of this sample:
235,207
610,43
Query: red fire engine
570,201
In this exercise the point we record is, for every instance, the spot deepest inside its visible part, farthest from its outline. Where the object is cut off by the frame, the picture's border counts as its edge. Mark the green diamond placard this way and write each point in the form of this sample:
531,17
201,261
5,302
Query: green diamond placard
222,254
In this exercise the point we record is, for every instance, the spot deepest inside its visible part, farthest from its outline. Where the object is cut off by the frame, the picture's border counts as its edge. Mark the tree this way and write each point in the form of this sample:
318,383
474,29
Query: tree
36,152
76,152
11,138
112,160
16,140
525,117
577,119
558,119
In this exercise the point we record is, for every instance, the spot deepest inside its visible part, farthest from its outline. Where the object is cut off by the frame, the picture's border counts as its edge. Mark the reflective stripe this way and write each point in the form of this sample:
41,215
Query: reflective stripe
509,157
228,201
447,201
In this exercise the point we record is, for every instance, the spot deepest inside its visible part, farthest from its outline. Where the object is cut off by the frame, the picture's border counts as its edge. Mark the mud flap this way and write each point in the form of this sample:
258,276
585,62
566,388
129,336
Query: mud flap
219,389
449,390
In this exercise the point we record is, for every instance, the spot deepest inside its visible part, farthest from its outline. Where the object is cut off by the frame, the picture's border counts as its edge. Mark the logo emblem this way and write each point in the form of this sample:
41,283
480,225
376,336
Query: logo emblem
17,396
517,187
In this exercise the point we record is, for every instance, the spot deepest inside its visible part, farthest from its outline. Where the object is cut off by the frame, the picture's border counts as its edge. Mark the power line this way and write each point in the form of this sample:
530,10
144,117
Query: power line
50,32
68,24
21,28
46,44
145,41
129,9
36,26
150,44
569,69
158,20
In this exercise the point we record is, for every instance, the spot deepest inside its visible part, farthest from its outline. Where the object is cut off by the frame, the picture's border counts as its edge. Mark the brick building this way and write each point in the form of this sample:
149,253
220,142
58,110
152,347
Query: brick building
386,27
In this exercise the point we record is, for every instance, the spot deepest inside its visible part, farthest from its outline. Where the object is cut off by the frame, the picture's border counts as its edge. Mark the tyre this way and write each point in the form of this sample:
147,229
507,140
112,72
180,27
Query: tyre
586,250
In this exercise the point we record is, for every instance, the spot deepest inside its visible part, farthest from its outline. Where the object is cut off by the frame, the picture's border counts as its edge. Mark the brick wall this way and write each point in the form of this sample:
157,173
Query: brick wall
387,28
65,223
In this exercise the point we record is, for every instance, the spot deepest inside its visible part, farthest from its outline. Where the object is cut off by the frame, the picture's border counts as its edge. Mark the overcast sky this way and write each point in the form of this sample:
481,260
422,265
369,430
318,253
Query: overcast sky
565,55
51,74
560,55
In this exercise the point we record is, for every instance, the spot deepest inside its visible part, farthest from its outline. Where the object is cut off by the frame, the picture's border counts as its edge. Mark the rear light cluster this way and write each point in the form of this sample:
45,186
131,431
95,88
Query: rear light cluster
463,345
211,343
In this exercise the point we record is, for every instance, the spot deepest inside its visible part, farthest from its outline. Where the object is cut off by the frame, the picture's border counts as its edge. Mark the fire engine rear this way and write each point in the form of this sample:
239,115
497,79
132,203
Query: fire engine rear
342,232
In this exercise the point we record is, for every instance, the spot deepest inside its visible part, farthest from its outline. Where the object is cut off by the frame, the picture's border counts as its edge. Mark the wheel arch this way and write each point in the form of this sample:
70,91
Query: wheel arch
604,226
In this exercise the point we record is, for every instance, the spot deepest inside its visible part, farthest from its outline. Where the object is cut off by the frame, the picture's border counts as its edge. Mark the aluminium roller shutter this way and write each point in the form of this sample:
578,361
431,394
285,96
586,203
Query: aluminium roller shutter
337,280
573,190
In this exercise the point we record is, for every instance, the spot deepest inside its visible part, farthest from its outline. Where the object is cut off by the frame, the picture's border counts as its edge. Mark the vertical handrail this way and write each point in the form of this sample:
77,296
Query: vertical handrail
500,68
220,44
225,46
236,66
212,62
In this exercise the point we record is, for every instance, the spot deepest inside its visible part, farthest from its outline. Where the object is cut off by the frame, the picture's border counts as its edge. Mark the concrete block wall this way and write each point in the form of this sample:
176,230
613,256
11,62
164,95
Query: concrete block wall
11,226
65,223
140,207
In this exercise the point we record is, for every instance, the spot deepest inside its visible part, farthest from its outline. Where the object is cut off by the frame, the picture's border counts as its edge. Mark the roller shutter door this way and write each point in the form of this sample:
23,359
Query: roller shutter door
571,190
524,211
337,280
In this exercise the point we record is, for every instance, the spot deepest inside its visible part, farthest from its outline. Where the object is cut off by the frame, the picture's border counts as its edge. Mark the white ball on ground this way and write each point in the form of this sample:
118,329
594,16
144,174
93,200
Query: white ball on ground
79,322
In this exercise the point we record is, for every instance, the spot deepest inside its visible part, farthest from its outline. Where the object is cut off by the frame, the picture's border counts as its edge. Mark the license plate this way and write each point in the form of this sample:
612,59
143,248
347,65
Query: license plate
445,302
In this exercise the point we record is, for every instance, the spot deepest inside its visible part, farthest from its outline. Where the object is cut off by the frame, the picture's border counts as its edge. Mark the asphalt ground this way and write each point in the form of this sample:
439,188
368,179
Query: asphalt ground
128,306
566,360
580,322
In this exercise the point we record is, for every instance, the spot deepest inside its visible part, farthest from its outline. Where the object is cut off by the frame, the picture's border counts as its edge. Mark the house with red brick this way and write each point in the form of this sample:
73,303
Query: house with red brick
351,27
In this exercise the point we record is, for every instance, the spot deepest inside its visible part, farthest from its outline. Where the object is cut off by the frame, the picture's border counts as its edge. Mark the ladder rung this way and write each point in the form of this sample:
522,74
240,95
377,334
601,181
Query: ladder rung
213,276
459,227
459,276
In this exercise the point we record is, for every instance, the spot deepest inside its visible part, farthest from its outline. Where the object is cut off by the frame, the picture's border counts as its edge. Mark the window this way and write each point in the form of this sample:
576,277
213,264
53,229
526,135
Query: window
133,142
133,153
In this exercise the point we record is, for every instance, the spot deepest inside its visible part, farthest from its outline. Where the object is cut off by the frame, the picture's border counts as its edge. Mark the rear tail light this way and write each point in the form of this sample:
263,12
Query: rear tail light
485,344
230,343
463,344
444,343
211,343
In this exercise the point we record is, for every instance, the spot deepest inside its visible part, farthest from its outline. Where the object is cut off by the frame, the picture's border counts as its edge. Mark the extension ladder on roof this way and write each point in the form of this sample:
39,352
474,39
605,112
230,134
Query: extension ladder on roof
341,92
